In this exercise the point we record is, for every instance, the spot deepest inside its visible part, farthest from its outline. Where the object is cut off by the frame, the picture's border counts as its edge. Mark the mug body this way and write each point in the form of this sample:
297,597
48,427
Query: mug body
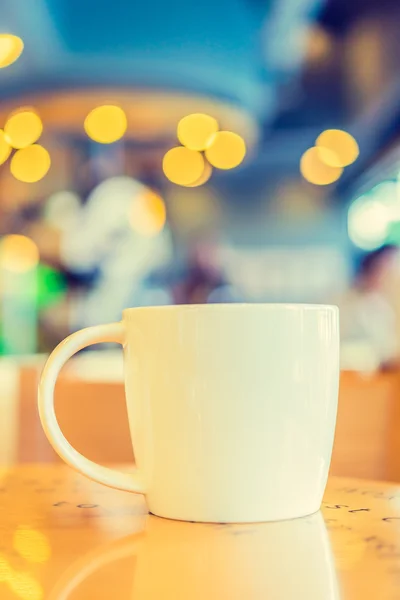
232,408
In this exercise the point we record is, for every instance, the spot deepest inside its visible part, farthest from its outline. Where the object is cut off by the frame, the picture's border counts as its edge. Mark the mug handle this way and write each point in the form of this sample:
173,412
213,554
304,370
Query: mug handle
114,332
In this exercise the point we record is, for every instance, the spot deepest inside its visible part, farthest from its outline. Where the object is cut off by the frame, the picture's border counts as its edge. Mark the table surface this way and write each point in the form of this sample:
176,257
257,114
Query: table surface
62,536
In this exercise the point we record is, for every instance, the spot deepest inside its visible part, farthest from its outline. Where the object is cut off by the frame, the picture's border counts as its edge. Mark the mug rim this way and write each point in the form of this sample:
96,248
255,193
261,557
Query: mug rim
237,305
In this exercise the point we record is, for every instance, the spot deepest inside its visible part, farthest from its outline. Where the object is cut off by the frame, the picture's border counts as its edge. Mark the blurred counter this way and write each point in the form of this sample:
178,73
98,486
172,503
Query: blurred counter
90,405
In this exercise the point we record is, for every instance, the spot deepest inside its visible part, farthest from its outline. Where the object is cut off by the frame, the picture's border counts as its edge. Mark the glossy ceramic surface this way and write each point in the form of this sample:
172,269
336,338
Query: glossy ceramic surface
65,537
232,408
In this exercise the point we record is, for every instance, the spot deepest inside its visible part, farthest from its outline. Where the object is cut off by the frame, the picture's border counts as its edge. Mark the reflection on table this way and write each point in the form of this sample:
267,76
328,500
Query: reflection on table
64,537
185,560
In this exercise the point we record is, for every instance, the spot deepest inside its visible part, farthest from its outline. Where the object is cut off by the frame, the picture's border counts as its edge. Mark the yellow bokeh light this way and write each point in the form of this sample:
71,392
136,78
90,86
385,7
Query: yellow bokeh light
5,569
197,131
5,148
25,586
106,124
327,156
227,150
315,171
148,214
18,253
11,47
23,128
343,146
183,166
204,177
31,544
30,164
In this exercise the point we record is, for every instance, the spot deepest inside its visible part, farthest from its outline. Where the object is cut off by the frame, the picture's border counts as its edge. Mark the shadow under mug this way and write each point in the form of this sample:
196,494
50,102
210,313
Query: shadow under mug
291,560
232,408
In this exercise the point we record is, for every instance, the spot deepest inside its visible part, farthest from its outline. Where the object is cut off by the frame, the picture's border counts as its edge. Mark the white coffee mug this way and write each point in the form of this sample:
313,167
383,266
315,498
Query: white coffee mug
232,408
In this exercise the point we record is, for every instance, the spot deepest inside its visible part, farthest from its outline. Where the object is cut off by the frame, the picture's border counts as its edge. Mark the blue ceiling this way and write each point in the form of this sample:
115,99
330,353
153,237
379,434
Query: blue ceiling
230,49
124,27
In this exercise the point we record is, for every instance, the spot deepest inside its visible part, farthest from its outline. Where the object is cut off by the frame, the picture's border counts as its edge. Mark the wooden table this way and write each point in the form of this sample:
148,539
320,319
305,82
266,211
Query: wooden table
62,536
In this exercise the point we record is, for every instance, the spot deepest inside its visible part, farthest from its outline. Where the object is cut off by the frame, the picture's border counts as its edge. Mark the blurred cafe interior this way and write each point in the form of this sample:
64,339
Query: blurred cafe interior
157,153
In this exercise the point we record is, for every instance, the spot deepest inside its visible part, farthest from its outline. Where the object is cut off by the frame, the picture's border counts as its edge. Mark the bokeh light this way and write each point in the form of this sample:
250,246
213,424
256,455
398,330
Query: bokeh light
31,544
25,586
18,253
106,124
183,166
205,176
368,225
30,164
5,569
343,145
328,157
372,215
148,214
5,148
11,47
23,128
193,209
196,131
227,150
315,171
319,44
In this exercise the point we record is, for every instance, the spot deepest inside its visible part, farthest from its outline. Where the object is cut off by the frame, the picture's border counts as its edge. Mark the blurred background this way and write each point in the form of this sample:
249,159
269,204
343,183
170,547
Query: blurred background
159,153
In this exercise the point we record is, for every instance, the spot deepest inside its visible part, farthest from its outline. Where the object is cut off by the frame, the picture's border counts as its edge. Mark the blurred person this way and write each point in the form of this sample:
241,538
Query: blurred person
100,239
203,275
368,319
